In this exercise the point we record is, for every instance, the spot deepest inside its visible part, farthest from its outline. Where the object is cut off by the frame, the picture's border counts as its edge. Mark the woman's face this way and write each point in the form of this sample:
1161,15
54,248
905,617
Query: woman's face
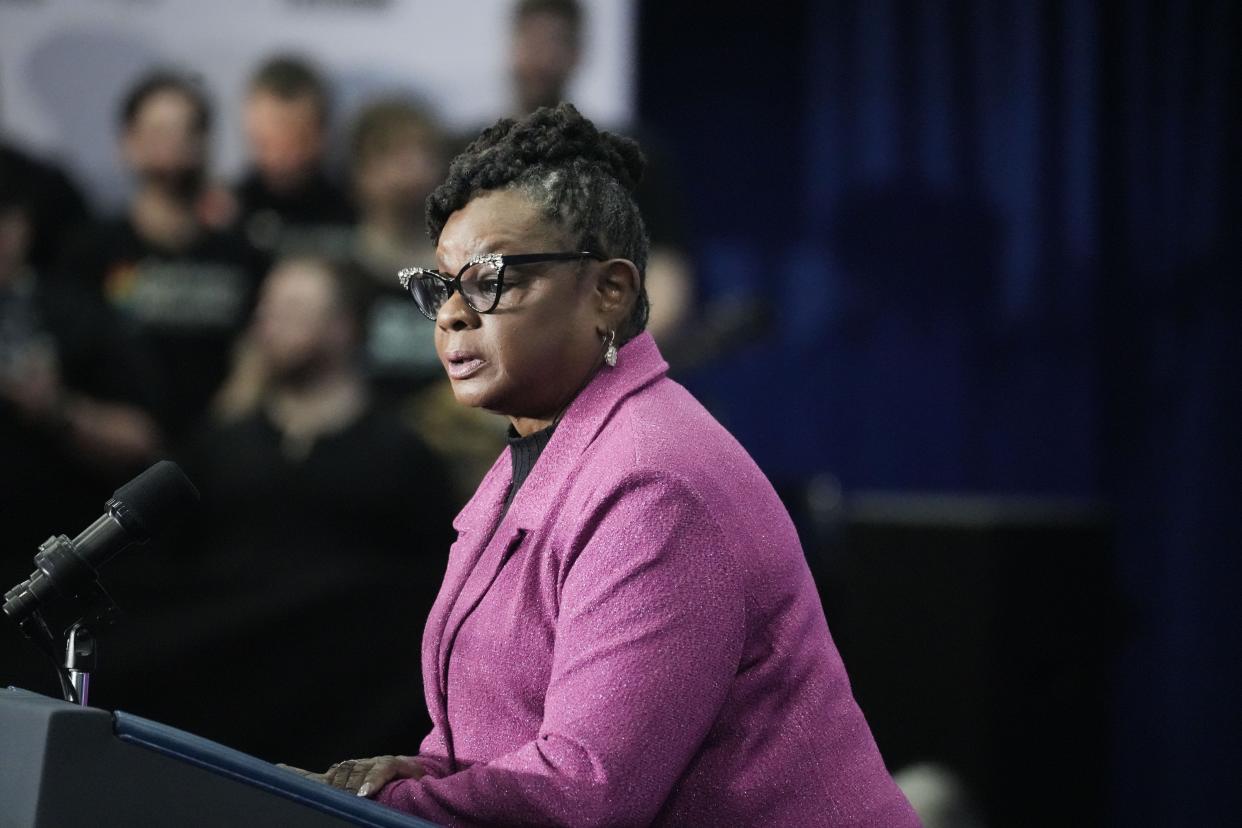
530,356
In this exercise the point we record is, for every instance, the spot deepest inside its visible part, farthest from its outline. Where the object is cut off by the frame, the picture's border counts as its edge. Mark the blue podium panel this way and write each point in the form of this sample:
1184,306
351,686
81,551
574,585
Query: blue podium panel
64,766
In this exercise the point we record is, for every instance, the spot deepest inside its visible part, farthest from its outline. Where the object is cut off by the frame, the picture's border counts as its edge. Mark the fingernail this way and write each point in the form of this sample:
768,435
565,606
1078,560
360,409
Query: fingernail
365,790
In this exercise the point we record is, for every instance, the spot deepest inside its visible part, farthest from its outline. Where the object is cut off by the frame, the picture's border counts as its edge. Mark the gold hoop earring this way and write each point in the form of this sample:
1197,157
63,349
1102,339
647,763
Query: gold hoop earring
610,349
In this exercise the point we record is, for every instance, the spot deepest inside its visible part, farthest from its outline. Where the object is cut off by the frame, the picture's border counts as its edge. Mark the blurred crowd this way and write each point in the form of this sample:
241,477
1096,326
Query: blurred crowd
255,331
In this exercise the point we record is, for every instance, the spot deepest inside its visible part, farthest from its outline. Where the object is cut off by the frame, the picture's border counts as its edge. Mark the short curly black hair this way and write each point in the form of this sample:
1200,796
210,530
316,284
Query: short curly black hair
581,177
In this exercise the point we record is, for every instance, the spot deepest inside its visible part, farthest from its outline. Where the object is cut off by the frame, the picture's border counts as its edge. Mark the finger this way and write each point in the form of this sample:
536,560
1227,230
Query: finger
386,770
339,773
358,773
380,774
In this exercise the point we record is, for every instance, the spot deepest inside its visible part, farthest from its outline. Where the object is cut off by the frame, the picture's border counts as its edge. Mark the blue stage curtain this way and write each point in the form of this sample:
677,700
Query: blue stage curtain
999,240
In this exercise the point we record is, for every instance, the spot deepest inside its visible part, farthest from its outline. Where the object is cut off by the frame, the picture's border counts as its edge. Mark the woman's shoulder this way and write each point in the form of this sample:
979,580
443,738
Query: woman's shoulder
663,425
663,432
661,459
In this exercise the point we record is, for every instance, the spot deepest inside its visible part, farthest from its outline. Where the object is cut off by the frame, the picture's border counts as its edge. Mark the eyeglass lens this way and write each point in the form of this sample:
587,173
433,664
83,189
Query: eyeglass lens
479,286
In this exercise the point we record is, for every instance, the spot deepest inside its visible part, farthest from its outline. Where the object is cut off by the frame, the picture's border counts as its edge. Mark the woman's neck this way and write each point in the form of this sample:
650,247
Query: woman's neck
526,426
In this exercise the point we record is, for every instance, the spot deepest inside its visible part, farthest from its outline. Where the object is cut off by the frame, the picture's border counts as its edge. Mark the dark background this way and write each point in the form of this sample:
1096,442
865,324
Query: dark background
996,245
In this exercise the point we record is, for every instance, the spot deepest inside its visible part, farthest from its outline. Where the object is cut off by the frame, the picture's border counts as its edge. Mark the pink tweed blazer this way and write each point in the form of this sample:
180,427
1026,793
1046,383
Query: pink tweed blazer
638,640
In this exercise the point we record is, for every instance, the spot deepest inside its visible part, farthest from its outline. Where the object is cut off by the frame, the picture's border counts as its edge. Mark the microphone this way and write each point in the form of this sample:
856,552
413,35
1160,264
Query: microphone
136,512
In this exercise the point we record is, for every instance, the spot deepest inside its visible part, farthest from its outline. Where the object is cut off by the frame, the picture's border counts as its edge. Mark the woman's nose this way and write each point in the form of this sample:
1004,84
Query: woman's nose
456,315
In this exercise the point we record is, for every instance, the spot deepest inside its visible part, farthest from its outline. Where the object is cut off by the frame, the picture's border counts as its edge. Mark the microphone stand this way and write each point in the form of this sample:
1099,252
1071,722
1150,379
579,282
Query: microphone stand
61,605
81,657
58,608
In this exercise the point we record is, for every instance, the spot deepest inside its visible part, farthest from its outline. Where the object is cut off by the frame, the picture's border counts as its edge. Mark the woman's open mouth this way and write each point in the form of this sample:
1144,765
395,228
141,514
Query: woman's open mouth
462,364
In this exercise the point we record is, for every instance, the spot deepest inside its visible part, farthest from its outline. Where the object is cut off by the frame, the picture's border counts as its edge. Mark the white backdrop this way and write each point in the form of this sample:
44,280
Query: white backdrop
65,63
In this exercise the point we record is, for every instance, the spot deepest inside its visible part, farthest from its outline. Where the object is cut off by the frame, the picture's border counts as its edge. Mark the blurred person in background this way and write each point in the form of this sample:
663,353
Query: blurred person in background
323,538
55,205
185,288
74,391
398,156
545,50
53,202
287,203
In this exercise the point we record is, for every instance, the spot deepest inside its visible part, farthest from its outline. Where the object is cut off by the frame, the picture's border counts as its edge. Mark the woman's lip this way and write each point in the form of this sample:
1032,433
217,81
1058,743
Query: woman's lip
464,370
462,364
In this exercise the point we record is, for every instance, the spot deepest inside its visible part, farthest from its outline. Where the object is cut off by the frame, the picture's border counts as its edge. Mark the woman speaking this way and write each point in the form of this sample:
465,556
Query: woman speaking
627,632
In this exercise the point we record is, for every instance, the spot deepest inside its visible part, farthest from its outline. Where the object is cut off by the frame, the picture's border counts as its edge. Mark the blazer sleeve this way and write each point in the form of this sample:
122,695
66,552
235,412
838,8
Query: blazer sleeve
648,639
433,754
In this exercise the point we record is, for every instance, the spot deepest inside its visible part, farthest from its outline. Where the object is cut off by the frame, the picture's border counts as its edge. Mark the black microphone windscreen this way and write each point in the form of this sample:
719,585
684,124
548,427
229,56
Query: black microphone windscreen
151,501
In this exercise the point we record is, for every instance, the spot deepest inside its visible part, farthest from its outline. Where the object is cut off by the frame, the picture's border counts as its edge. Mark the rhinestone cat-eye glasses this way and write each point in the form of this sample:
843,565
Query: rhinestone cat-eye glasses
481,282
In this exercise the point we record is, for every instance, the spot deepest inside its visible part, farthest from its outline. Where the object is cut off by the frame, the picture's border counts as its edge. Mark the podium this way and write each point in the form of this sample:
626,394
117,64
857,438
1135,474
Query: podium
70,767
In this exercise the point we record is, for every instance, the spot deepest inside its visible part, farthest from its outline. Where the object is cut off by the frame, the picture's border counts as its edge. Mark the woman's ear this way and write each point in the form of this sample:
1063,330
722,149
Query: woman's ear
616,290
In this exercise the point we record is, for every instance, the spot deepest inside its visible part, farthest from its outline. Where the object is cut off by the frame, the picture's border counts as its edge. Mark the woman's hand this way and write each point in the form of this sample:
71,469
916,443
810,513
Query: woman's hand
365,777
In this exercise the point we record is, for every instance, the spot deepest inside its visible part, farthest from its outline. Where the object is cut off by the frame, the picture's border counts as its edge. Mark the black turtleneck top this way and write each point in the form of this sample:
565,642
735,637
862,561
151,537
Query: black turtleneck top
524,452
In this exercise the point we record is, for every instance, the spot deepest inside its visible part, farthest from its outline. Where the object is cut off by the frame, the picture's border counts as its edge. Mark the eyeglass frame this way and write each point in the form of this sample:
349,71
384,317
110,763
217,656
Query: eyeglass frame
500,261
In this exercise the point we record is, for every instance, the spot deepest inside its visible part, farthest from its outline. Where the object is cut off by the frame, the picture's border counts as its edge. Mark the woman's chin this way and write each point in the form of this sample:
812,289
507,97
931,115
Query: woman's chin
472,394
466,398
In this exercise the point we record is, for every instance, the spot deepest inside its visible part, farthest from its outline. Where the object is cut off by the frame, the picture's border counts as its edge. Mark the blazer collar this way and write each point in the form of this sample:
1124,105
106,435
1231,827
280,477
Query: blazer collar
639,364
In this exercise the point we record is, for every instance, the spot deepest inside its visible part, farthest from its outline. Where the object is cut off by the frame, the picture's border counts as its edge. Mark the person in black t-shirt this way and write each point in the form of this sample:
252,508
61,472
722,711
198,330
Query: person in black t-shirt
186,288
287,203
323,539
397,156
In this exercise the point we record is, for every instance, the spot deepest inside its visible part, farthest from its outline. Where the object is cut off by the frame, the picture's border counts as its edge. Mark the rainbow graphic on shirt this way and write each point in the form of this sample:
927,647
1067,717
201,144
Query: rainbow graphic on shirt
120,281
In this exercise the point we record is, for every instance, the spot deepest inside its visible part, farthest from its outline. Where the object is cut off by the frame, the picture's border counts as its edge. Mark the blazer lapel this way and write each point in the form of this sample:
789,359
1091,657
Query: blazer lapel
483,546
639,364
474,527
488,565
